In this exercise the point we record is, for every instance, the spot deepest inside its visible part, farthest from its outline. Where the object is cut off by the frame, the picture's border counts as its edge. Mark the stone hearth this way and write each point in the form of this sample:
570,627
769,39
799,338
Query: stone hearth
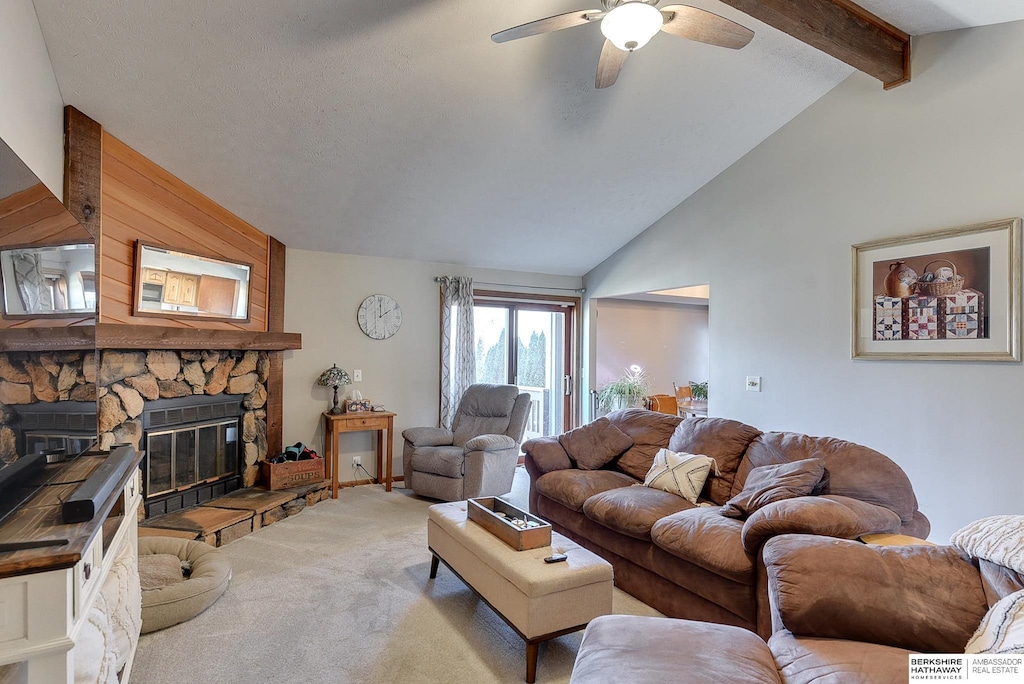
235,515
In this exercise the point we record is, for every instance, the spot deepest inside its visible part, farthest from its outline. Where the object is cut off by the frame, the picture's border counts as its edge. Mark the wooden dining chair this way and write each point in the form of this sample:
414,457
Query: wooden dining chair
662,403
683,393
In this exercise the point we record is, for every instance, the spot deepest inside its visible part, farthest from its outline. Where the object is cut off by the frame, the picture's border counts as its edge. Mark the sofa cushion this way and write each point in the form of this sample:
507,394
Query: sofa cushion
595,444
649,431
925,598
706,538
633,510
723,440
807,660
447,461
854,470
571,488
998,580
771,483
630,648
681,474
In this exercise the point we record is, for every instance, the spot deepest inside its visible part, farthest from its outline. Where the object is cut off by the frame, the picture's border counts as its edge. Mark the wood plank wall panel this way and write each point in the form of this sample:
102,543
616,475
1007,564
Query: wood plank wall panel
83,142
275,323
35,217
143,201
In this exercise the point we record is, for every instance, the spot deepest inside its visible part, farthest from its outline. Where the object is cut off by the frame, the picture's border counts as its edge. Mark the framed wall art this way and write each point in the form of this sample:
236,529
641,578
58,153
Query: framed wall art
947,295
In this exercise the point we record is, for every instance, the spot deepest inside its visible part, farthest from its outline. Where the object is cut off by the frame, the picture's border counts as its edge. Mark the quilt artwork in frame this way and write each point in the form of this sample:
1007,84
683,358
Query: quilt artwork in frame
947,295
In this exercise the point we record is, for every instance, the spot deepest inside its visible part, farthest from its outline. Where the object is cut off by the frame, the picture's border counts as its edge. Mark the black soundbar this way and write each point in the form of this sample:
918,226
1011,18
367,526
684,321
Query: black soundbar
90,495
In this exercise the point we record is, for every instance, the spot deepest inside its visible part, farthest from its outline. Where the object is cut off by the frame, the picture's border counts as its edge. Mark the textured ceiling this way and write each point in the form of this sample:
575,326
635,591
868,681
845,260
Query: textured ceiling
399,129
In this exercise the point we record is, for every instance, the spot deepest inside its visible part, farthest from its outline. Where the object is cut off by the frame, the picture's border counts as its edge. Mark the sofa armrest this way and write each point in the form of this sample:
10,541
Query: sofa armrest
545,454
829,516
923,598
428,436
490,443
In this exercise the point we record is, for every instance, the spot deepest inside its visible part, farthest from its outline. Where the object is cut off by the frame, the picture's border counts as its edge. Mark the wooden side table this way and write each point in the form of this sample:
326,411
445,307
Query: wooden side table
378,421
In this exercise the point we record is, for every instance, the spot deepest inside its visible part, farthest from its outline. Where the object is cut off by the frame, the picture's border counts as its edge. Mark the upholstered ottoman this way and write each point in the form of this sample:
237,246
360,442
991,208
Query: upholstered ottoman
630,648
539,600
186,598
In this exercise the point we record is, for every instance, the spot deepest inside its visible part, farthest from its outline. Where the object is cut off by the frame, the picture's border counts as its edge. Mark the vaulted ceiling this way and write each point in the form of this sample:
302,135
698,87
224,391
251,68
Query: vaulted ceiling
399,129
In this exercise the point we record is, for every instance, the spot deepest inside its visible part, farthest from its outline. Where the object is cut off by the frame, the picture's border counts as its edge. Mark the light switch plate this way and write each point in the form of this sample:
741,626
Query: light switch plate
357,375
753,383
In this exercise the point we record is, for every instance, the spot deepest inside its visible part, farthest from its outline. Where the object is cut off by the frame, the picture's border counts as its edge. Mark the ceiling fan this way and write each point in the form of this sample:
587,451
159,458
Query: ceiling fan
627,25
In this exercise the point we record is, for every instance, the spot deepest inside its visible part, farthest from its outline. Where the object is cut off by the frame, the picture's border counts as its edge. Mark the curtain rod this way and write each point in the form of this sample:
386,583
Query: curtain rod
581,290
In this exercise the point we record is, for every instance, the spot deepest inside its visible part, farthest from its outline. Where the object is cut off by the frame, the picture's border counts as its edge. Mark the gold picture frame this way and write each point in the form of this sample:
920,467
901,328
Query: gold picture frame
945,295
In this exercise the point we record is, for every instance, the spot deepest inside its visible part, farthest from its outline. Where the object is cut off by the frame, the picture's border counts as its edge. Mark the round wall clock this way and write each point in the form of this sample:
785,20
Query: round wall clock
379,316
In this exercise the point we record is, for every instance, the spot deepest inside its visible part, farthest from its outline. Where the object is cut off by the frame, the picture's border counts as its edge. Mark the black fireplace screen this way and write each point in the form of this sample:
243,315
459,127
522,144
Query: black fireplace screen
187,456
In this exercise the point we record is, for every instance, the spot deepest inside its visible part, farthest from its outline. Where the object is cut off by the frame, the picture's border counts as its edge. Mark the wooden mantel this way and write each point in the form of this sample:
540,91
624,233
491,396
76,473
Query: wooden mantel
119,336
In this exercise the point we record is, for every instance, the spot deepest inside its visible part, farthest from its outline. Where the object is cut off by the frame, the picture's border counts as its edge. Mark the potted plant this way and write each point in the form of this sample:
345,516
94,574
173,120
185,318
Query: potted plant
699,390
626,392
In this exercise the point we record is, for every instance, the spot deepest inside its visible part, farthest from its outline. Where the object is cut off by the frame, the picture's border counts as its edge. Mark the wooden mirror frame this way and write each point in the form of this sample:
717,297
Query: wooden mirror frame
185,315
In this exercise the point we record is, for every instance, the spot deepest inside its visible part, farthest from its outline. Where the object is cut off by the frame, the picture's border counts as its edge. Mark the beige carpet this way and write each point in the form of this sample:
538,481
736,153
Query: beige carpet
340,593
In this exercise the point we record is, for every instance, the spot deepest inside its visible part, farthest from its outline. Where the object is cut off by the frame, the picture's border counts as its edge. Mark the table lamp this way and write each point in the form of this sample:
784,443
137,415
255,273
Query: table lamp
334,377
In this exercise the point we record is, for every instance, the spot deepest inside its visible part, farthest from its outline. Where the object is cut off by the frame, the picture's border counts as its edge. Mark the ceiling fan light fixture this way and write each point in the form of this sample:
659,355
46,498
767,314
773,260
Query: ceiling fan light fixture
631,25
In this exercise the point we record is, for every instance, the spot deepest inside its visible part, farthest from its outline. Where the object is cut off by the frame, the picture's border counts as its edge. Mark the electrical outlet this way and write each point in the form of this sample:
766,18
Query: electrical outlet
356,462
753,383
357,375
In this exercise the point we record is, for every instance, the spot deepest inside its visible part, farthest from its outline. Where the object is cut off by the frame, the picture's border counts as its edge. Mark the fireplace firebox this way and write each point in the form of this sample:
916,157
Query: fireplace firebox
192,451
64,425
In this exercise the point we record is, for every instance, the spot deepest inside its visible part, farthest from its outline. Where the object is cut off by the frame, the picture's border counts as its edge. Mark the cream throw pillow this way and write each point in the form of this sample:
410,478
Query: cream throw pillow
680,473
998,538
1002,628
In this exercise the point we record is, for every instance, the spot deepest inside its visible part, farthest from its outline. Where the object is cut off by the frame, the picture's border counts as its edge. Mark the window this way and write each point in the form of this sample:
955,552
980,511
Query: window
529,344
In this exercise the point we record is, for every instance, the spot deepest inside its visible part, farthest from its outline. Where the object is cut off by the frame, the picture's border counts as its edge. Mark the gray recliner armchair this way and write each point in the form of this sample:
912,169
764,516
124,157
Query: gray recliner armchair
478,456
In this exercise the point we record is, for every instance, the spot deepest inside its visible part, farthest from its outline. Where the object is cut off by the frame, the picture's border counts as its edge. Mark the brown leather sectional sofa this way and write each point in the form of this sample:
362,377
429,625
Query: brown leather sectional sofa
688,560
841,612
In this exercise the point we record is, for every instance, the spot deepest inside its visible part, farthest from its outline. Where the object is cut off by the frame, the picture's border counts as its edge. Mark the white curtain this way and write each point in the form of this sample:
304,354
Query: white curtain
458,355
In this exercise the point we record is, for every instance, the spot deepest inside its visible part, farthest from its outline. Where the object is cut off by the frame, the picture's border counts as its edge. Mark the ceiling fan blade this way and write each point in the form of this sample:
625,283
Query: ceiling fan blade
705,27
555,23
609,64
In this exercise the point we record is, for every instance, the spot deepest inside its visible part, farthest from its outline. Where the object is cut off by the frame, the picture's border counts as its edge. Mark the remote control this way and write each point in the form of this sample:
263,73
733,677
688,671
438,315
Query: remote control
555,558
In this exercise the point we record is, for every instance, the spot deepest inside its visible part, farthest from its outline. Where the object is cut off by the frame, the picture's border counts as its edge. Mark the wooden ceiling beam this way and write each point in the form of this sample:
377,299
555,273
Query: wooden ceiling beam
842,29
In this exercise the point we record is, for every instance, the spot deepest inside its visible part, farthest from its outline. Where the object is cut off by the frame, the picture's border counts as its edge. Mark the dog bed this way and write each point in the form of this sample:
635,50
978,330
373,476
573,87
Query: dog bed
205,574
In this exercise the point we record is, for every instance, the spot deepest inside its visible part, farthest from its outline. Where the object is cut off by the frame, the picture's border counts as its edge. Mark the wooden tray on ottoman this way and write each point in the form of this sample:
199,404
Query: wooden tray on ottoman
484,511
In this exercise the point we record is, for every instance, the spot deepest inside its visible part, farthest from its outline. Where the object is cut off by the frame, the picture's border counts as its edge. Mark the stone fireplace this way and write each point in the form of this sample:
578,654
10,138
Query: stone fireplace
199,415
46,401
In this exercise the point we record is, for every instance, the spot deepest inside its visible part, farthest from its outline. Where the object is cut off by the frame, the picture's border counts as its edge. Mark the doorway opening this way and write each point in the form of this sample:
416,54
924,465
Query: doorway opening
662,334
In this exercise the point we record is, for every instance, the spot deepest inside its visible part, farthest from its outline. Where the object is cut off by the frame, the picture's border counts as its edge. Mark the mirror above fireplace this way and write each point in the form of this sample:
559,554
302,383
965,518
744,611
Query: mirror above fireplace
171,283
48,281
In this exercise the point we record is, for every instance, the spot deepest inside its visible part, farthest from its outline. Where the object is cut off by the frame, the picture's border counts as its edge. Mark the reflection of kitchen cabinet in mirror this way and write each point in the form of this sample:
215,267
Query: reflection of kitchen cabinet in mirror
180,284
48,281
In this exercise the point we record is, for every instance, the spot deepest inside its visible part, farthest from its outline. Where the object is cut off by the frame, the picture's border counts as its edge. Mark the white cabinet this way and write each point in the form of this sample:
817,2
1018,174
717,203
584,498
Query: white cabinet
42,611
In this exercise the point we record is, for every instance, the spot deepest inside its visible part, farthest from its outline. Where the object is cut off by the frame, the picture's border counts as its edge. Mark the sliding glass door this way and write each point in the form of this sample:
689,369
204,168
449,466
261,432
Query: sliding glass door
528,344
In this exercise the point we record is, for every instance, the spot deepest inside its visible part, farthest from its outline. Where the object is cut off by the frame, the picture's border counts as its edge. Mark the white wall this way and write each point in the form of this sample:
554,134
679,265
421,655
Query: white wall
31,108
670,342
772,236
322,293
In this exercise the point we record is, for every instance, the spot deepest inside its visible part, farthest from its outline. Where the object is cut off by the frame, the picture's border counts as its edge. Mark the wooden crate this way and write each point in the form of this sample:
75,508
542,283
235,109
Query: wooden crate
292,473
484,511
